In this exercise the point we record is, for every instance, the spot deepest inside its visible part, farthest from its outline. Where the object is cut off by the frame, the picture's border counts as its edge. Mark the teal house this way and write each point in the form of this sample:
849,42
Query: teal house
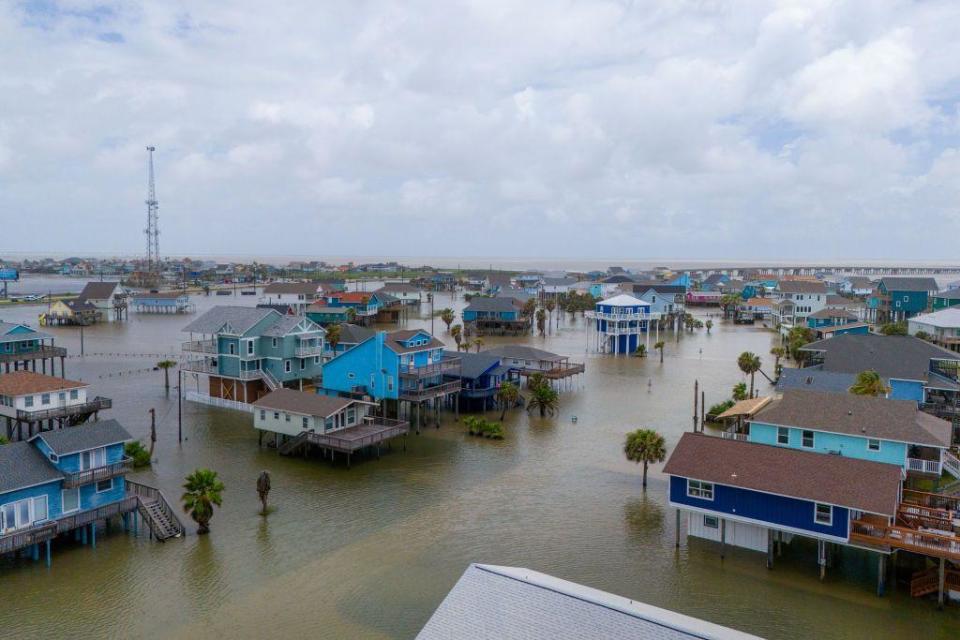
20,344
853,426
245,352
904,297
946,299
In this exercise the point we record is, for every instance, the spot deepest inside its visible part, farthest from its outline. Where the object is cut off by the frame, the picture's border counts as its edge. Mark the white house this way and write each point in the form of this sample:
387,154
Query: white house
942,326
290,412
297,295
794,300
103,295
27,398
403,291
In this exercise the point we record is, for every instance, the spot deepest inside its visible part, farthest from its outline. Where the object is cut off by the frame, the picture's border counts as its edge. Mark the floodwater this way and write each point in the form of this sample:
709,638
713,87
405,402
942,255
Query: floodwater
371,551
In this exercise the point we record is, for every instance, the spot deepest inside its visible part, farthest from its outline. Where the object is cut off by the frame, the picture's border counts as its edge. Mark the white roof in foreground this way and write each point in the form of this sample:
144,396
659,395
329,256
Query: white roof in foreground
512,603
624,300
945,318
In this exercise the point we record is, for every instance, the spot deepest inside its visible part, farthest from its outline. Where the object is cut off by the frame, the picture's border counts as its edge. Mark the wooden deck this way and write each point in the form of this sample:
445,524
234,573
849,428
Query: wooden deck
372,433
886,538
558,372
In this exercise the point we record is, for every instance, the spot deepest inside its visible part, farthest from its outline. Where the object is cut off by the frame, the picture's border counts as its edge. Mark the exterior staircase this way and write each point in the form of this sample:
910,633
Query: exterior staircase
270,380
290,446
951,464
925,582
156,511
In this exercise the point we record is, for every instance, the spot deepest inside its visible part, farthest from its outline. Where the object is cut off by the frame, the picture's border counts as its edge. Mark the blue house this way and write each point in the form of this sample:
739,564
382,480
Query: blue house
618,323
401,366
480,377
853,426
501,314
20,344
904,297
713,282
64,483
749,495
246,352
162,302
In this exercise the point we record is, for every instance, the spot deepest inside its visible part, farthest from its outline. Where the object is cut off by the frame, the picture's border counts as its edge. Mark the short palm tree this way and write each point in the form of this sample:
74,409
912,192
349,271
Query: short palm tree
542,321
507,396
740,391
659,347
166,365
777,353
447,316
543,397
202,491
869,383
708,324
646,446
333,336
749,363
466,344
457,332
478,343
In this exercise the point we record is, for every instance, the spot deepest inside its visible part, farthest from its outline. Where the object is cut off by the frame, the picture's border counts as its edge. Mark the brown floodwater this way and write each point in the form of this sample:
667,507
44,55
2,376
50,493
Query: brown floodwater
369,552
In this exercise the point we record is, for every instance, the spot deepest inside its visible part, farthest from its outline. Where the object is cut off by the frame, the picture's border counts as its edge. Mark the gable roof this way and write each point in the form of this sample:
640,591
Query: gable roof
474,365
98,290
291,324
240,319
503,304
659,287
303,402
514,293
863,416
79,305
354,334
801,286
904,283
7,332
815,379
399,287
84,437
18,383
394,339
523,352
838,480
624,300
616,279
900,357
22,466
948,294
830,313
511,603
948,318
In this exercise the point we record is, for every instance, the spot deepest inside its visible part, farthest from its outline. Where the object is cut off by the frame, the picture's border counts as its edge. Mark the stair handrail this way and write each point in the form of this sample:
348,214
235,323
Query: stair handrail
142,491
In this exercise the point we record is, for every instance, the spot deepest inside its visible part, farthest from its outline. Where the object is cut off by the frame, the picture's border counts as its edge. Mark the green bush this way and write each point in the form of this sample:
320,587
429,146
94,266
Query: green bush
487,429
138,453
719,408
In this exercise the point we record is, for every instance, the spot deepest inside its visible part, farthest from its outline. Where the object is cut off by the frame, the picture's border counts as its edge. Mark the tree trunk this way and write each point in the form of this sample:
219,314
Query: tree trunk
166,378
504,412
644,475
751,383
661,355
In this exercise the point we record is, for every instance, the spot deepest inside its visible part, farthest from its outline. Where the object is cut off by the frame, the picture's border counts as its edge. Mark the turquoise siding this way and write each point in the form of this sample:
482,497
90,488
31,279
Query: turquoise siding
906,390
823,442
370,365
49,489
469,315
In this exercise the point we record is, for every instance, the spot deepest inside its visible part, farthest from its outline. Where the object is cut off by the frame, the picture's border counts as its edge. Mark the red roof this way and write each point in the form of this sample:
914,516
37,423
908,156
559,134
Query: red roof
353,296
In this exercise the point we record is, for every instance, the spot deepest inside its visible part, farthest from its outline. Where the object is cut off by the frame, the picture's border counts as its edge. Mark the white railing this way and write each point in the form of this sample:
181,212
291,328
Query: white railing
247,374
951,464
730,435
615,317
200,346
923,466
199,366
307,350
270,380
203,398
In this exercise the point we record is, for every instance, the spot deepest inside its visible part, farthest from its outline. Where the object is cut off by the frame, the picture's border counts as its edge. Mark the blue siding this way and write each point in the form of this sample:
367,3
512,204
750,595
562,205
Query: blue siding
823,442
906,390
776,511
363,366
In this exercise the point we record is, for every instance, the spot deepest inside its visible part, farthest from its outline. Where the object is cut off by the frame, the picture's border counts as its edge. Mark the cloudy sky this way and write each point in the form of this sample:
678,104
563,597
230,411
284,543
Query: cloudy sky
742,130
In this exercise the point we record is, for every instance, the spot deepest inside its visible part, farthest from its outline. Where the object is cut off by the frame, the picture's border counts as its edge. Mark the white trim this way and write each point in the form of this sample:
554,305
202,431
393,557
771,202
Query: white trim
761,523
702,489
816,506
843,433
96,486
62,501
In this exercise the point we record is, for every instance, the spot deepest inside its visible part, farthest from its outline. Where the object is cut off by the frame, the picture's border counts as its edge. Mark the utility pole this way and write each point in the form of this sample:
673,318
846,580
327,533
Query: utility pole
153,230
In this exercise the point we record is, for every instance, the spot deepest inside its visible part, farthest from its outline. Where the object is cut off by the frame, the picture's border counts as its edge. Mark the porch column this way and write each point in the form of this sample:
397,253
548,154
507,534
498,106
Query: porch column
881,574
769,548
677,542
940,582
723,538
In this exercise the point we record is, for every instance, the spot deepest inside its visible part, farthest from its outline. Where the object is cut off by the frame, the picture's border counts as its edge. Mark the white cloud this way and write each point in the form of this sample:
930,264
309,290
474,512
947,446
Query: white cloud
594,129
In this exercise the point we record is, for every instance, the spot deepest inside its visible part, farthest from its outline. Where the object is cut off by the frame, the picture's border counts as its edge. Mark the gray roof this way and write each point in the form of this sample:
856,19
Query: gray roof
303,402
517,294
522,352
901,283
473,365
829,313
511,603
949,294
354,334
21,466
801,286
98,290
900,357
6,327
559,282
286,324
499,304
399,287
865,416
815,379
242,319
295,288
84,437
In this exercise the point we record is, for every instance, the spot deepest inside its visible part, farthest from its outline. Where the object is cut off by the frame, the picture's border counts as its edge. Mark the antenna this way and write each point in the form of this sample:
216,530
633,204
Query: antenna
153,230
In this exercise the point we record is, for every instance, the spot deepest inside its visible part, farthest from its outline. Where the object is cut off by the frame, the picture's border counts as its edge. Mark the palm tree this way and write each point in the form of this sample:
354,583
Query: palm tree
543,397
728,300
708,324
202,492
551,304
869,383
749,363
646,446
796,339
659,347
542,321
166,365
457,332
478,343
465,345
447,316
333,336
777,353
507,396
263,490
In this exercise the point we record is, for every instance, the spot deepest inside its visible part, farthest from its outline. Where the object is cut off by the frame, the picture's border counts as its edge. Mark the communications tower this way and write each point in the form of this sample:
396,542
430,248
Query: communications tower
153,230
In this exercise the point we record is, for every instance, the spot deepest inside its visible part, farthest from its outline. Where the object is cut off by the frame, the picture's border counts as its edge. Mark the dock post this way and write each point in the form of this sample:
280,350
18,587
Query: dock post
942,575
769,548
677,543
83,535
93,534
48,554
881,574
723,538
822,558
35,552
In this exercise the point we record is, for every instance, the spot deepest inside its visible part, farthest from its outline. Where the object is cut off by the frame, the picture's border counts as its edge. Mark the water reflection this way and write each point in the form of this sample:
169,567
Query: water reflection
643,516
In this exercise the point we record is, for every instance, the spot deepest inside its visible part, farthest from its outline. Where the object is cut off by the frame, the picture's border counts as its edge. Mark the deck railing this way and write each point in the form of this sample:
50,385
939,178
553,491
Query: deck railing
730,435
391,428
923,466
922,542
97,474
200,346
307,350
97,404
212,401
145,494
25,537
434,368
425,393
199,366
932,500
34,354
71,522
951,464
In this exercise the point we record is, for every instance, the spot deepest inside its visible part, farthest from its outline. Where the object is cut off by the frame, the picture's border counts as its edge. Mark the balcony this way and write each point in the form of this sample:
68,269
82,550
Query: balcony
200,346
36,353
732,435
307,350
97,474
32,415
418,394
447,364
200,366
21,538
918,465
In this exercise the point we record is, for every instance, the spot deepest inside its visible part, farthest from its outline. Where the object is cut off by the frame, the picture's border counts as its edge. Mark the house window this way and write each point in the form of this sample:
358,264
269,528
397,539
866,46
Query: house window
274,343
303,364
316,359
306,422
232,349
807,440
45,398
28,401
70,499
711,522
699,489
389,383
105,485
74,394
39,508
873,445
286,366
286,417
783,435
249,347
276,415
93,459
53,457
263,414
823,514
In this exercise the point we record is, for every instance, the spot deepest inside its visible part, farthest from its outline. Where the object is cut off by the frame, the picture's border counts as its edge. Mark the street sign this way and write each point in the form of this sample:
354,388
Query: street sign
9,275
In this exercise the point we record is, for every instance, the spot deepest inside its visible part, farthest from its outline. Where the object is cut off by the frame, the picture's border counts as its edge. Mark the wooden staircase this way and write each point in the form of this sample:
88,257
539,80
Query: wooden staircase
290,446
925,582
156,511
